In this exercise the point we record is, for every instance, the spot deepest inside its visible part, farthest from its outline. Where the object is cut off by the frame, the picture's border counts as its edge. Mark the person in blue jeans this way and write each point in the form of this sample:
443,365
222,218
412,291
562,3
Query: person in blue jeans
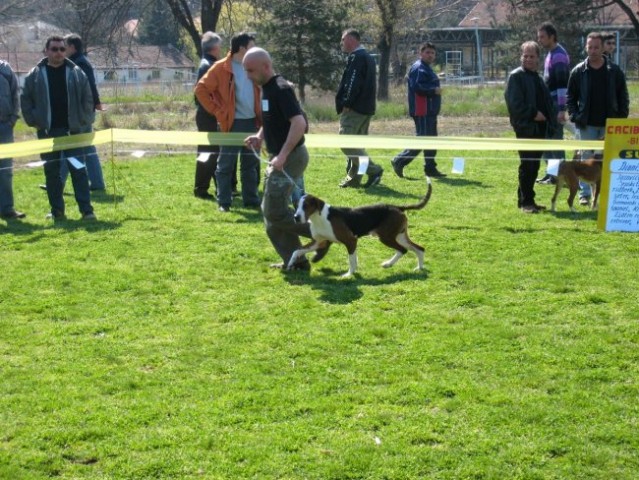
94,168
424,104
597,90
556,73
226,92
57,101
9,110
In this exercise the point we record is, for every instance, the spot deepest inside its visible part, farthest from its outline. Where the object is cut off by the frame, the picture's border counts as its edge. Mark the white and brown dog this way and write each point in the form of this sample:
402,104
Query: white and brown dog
345,225
588,170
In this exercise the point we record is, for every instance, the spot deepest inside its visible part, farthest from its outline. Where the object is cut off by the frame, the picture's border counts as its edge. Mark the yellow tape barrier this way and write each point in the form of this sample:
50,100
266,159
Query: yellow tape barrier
117,135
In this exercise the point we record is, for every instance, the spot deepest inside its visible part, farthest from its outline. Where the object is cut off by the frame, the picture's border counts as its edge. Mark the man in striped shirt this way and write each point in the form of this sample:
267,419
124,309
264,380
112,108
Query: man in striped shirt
556,73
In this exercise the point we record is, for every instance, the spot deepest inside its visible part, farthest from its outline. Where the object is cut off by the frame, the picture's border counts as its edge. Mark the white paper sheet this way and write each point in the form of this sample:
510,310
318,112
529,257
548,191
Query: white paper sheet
363,165
458,165
553,167
75,163
35,164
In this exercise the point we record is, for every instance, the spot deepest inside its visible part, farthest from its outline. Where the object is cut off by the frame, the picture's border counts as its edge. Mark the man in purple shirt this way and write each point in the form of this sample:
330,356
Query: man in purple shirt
556,73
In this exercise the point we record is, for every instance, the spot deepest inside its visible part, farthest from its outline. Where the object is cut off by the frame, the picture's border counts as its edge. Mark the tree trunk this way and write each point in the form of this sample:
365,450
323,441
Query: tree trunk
210,12
384,46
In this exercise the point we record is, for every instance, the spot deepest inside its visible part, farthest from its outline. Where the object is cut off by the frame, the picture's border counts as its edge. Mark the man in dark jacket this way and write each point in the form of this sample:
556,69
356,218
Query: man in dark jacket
597,91
57,101
76,55
532,115
207,155
355,104
424,104
9,111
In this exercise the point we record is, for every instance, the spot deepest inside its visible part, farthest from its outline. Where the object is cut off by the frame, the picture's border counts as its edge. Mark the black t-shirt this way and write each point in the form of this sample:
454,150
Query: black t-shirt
58,98
597,106
279,105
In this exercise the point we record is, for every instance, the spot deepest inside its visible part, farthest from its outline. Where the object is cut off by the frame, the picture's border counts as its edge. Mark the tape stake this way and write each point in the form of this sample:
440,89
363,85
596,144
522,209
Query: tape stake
458,165
37,164
553,167
75,163
363,165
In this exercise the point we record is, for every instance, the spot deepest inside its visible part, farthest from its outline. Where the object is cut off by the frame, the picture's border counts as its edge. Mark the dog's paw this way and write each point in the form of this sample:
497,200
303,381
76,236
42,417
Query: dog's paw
347,275
387,264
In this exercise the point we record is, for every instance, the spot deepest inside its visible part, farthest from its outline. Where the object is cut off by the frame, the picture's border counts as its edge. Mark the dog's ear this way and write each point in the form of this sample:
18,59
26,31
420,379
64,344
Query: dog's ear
312,204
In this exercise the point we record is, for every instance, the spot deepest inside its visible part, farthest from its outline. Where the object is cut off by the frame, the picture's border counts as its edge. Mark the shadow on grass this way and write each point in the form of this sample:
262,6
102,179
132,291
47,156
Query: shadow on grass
19,228
88,226
22,227
579,215
378,190
105,197
587,216
452,181
337,290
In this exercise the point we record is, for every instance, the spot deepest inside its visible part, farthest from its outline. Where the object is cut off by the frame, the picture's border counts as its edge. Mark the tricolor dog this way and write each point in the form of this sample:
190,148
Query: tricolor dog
346,225
588,170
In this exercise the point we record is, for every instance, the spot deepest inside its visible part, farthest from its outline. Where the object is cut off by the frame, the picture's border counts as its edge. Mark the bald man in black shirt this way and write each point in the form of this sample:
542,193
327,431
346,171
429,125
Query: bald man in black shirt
283,129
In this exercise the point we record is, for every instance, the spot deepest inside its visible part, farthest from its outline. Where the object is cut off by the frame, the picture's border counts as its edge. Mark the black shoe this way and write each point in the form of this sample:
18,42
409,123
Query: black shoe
302,266
397,168
321,252
351,182
224,209
374,179
434,173
13,215
89,217
530,209
56,217
203,195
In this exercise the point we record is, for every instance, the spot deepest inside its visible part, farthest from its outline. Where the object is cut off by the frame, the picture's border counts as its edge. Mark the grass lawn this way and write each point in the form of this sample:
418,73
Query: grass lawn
157,343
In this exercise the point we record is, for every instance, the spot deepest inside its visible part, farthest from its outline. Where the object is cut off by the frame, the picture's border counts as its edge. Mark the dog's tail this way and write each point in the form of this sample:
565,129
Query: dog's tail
423,202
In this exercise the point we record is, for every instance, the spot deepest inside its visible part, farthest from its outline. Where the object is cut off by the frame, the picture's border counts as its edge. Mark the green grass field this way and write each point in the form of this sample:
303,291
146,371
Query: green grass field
157,343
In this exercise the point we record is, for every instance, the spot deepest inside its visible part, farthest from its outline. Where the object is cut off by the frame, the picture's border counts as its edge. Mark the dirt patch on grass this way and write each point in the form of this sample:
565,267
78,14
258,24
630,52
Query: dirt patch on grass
447,126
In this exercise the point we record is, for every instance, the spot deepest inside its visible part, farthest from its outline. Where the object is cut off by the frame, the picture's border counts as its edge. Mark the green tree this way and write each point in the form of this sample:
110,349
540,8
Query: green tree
303,38
569,17
401,19
589,8
97,22
157,26
182,11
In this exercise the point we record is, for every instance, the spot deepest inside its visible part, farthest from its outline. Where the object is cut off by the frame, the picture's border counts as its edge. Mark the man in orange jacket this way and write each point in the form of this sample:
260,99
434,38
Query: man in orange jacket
226,92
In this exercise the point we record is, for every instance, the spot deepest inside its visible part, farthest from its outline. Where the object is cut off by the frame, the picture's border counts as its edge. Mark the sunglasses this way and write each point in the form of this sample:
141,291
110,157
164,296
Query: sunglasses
58,49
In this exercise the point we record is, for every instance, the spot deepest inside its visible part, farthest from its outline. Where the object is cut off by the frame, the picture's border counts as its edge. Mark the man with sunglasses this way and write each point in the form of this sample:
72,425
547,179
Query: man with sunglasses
57,101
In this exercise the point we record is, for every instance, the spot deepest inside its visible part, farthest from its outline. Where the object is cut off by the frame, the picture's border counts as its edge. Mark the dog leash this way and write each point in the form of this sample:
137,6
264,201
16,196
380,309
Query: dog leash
290,179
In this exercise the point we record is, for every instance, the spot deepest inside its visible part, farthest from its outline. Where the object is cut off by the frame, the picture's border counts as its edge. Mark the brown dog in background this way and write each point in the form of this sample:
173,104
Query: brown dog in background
588,170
